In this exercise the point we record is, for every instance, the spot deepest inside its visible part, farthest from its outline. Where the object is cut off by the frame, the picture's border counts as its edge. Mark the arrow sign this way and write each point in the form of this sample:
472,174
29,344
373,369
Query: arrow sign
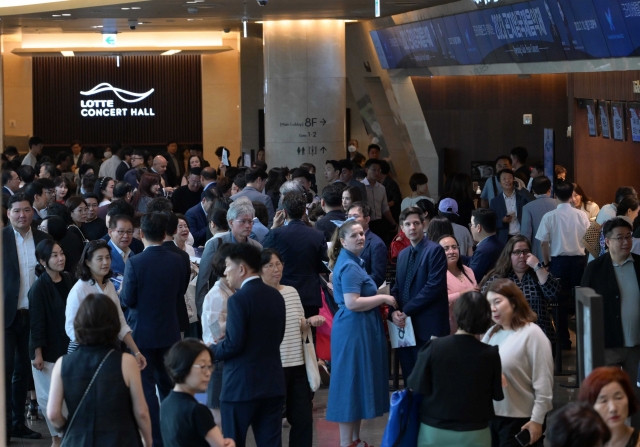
323,121
323,149
109,40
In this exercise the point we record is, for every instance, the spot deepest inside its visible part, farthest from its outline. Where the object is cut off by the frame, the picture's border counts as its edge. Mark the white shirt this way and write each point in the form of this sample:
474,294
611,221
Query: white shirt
248,279
26,249
122,253
109,167
527,365
564,229
30,160
79,292
214,311
291,352
377,199
606,213
510,202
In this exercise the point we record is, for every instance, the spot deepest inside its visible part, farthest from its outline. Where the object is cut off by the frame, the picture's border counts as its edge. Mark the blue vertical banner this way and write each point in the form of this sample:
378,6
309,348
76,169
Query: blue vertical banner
549,154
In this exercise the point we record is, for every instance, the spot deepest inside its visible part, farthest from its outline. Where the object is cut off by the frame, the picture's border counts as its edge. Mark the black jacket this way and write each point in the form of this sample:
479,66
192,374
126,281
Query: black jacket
183,316
601,277
47,317
325,225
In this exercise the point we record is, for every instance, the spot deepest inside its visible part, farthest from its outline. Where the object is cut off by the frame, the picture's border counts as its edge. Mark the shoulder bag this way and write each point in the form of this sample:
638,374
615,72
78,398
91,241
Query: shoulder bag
310,360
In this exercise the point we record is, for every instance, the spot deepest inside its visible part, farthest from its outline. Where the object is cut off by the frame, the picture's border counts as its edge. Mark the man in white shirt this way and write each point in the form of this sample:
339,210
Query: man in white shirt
121,235
35,149
382,222
109,167
560,234
608,212
19,243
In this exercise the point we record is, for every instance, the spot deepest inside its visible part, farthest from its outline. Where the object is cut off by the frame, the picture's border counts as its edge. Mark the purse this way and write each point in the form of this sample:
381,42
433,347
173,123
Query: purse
404,420
83,396
310,360
591,239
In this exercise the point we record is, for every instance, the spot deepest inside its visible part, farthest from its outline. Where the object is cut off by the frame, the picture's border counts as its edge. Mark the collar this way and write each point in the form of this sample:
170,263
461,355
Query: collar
629,259
420,244
153,246
512,196
18,235
128,164
366,182
564,205
251,278
353,256
7,189
121,252
540,196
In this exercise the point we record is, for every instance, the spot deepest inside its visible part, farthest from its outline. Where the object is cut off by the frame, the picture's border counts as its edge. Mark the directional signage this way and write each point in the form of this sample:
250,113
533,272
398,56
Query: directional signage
109,40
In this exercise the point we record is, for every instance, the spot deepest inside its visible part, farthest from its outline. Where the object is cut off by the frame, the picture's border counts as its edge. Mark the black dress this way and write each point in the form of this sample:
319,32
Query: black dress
106,417
185,422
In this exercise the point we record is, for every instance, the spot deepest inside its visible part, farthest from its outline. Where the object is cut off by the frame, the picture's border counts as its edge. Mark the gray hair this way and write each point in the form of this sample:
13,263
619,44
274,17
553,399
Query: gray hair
240,207
292,186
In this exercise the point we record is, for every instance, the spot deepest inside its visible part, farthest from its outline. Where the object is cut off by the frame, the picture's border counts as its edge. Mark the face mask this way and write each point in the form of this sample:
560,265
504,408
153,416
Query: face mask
107,154
352,148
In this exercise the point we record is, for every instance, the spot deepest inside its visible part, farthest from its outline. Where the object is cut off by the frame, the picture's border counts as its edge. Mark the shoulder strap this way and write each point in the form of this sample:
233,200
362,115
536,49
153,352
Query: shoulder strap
85,395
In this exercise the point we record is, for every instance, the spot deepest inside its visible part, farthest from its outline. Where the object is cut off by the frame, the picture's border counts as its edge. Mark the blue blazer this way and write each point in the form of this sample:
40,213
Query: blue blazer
11,271
302,249
485,256
153,290
428,304
117,263
251,348
197,220
136,245
499,207
374,256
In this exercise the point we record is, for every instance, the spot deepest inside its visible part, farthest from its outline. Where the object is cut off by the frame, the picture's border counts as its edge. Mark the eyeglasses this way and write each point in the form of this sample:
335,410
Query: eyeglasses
519,253
137,158
627,238
123,232
278,265
245,222
204,368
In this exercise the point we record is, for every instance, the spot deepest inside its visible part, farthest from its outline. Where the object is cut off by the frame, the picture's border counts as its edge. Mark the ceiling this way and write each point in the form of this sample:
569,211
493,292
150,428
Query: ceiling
212,15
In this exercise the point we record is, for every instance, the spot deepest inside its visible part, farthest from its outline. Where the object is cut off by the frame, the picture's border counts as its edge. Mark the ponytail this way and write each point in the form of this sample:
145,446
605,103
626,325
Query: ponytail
336,245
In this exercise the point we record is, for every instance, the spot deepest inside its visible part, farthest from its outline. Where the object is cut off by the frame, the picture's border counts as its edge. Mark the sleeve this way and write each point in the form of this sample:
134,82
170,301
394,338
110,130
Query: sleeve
181,303
73,303
206,267
236,332
379,263
124,327
485,190
494,206
479,264
193,224
352,278
498,392
588,275
270,211
541,360
543,231
129,289
211,312
435,288
550,288
202,420
37,320
526,227
420,380
396,195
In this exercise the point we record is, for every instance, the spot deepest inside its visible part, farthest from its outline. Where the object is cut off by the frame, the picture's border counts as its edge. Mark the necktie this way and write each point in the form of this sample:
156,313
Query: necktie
125,257
409,276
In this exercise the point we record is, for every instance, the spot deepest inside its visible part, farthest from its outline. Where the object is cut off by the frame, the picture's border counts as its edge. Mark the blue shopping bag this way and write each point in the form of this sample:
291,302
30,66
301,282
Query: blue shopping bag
404,422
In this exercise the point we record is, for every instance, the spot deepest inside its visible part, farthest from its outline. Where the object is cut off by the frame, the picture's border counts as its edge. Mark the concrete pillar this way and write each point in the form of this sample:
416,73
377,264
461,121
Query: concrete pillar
305,93
251,86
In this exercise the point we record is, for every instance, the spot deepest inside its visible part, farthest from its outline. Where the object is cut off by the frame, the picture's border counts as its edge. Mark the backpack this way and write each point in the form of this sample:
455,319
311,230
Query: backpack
399,243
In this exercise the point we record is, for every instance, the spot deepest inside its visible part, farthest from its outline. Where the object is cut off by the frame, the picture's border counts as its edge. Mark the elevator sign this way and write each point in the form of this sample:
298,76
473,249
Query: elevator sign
108,108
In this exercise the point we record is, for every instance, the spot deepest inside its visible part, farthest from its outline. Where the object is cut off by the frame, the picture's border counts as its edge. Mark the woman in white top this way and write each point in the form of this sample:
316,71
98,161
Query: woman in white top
580,201
214,325
460,278
94,271
181,238
104,190
298,404
419,184
527,366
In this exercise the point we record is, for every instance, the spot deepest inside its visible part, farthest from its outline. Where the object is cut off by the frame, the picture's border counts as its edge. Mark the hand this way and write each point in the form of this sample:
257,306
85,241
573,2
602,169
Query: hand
38,363
228,442
316,321
222,168
391,301
278,219
507,219
532,261
504,381
194,268
398,318
331,277
142,362
535,430
218,340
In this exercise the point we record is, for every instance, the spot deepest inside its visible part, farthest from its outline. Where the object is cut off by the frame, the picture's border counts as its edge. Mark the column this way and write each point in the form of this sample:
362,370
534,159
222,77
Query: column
305,93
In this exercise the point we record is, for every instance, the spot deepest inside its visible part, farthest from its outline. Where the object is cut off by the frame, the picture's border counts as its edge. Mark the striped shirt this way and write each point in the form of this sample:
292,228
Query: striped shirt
291,351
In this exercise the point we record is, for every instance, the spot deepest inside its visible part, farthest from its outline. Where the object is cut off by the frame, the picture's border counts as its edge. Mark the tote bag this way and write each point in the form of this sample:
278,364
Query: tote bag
404,422
310,361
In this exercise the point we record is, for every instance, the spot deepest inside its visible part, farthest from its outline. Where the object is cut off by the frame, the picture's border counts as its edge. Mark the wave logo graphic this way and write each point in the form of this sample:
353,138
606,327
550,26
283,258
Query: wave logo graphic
120,93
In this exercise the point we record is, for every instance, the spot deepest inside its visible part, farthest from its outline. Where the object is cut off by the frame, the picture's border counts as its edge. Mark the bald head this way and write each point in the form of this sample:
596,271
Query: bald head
159,164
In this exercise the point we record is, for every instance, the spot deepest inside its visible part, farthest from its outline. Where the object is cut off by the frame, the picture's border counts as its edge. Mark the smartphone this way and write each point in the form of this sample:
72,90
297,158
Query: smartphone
524,437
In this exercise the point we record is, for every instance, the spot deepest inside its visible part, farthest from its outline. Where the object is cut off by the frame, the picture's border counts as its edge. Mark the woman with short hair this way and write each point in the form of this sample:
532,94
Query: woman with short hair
527,366
100,385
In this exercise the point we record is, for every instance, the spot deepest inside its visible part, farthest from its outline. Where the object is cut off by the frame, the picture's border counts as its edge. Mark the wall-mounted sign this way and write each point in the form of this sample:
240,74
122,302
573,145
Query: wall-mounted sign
603,109
109,40
591,118
106,107
634,116
617,120
549,156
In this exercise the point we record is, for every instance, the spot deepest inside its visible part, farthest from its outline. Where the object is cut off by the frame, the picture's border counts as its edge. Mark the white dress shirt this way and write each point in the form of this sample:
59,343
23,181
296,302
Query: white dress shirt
122,253
377,199
510,202
26,249
214,311
564,229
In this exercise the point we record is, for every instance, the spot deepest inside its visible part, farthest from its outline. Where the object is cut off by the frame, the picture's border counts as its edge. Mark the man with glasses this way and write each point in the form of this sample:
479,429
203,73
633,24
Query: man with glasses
137,162
616,276
189,195
41,192
121,235
197,218
488,248
560,234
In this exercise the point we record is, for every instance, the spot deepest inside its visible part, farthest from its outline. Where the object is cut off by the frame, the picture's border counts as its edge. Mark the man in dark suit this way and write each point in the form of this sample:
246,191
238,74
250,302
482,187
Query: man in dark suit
197,218
489,247
508,206
616,276
255,328
186,197
175,165
302,249
41,193
346,177
374,254
10,182
125,164
19,243
420,289
332,205
153,289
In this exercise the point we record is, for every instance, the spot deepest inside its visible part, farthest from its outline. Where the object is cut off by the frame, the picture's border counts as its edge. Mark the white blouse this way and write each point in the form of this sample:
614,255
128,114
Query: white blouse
214,311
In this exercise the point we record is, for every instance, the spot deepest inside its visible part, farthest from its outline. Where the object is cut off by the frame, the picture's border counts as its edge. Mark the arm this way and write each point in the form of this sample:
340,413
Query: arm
129,290
236,332
193,225
215,439
131,374
498,392
546,252
356,303
480,264
140,359
270,211
56,397
544,237
38,323
435,287
421,381
541,360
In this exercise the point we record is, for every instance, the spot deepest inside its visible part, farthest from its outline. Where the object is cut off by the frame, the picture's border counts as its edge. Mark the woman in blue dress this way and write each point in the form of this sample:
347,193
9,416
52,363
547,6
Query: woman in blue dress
359,386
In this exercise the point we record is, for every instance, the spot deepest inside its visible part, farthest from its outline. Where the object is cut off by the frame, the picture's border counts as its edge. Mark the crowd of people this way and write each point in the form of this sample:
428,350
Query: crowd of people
134,283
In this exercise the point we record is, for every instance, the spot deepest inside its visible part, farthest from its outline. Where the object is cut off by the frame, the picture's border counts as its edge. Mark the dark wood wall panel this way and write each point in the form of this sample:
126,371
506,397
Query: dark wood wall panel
602,165
176,101
480,117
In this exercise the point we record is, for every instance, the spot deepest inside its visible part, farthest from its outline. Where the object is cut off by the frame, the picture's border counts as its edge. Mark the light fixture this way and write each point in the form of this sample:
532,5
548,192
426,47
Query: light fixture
125,8
350,21
97,26
117,61
68,53
66,15
10,3
244,28
377,8
55,15
260,21
136,7
170,52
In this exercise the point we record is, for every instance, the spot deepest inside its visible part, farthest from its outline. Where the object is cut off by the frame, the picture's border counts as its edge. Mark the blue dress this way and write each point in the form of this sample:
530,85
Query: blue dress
359,386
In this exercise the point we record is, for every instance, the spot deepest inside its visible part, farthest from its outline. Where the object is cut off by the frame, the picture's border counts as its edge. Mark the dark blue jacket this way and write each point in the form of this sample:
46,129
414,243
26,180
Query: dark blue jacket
302,249
428,304
251,348
136,245
485,257
374,256
117,263
499,207
153,290
197,220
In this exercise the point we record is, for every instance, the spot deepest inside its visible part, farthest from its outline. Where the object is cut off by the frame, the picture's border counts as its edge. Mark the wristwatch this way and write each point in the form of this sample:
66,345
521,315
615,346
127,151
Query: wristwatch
538,266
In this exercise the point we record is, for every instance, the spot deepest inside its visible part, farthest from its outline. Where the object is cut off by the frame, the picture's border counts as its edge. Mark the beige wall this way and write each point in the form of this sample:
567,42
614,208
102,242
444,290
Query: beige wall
18,99
221,101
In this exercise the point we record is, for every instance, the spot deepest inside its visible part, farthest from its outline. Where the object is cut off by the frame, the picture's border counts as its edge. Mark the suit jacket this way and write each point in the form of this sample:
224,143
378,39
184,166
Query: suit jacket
532,214
374,256
325,225
183,318
361,187
428,304
256,196
485,257
11,270
136,245
251,348
121,170
173,176
154,297
601,277
117,263
7,191
499,206
197,220
302,249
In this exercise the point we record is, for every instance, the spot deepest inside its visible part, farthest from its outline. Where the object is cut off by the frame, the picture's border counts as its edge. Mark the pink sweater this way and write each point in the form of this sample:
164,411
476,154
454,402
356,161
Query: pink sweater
454,288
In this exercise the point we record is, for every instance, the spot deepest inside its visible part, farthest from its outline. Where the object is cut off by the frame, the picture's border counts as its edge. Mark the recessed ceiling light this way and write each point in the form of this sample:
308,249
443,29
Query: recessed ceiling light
125,8
66,15
191,20
170,52
97,26
135,7
68,53
10,3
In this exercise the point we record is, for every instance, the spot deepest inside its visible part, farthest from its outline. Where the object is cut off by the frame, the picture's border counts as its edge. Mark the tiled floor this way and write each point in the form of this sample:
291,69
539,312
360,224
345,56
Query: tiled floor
326,433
